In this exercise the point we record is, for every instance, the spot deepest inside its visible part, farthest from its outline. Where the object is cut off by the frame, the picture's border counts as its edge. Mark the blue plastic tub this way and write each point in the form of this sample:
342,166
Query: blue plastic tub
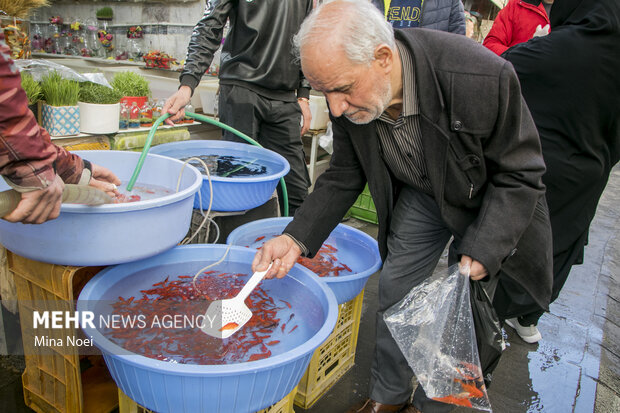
112,233
355,248
243,387
231,194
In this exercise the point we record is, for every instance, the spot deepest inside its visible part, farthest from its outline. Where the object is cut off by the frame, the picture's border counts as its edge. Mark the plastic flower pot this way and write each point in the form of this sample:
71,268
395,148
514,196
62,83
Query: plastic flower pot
99,118
61,120
140,100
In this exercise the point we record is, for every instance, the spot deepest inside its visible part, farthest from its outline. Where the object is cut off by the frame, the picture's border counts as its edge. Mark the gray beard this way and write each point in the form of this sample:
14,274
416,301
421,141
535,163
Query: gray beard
386,96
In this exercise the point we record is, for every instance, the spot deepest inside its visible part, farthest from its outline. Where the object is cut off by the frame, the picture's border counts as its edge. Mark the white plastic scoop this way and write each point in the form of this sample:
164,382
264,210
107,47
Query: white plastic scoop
225,317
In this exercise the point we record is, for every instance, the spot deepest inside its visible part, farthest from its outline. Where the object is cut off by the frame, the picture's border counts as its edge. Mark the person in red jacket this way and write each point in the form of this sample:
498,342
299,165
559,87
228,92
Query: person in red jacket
29,162
518,22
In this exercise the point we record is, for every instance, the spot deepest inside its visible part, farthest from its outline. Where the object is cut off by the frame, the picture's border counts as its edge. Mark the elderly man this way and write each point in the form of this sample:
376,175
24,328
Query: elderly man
437,126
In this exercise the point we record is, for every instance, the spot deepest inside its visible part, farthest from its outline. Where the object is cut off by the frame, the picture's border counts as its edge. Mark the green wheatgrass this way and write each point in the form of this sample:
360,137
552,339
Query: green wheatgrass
105,13
58,91
98,94
31,87
131,84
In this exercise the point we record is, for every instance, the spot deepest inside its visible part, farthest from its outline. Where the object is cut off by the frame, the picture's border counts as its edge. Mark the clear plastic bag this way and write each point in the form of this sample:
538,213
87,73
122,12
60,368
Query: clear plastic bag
41,67
326,141
434,328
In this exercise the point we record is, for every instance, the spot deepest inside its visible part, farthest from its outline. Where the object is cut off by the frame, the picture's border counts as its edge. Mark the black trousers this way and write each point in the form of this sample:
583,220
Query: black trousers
276,126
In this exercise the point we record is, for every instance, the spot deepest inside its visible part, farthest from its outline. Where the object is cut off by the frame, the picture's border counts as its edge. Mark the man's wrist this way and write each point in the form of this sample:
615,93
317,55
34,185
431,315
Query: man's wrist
190,82
302,247
303,99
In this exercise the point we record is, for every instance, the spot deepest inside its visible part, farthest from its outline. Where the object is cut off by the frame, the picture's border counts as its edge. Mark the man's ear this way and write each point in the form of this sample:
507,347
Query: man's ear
384,56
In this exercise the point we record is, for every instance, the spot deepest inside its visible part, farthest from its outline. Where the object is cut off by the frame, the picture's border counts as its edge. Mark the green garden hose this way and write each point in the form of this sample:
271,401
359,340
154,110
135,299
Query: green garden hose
200,118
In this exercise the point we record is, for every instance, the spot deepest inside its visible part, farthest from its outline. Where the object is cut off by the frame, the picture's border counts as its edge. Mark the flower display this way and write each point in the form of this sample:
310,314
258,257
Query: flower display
135,32
106,38
158,59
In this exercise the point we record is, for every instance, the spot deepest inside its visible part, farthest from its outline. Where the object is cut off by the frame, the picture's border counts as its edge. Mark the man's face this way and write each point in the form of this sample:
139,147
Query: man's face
359,92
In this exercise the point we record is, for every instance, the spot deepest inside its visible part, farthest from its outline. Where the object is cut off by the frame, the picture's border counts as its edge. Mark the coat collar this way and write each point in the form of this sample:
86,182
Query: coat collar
429,96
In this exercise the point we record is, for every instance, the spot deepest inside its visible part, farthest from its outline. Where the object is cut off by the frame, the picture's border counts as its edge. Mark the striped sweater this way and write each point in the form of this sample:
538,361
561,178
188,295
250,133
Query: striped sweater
28,158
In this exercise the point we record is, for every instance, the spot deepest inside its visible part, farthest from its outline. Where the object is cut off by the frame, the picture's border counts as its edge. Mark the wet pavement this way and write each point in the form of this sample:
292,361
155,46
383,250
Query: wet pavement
574,368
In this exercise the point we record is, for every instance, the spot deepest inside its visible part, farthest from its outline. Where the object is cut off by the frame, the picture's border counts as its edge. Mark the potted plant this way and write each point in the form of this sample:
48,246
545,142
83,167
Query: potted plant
105,13
133,87
33,93
99,108
61,114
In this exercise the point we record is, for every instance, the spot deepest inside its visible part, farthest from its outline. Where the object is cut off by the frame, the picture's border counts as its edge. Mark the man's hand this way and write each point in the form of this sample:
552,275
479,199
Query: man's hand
283,251
476,269
304,104
39,206
176,103
541,31
104,179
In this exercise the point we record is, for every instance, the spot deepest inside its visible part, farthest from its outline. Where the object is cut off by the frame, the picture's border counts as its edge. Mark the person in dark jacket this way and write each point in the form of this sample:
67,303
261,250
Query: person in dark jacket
437,126
570,83
262,90
445,15
518,22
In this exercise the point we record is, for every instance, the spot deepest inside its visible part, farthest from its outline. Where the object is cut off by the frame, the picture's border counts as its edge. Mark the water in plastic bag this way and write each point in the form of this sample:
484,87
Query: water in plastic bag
434,328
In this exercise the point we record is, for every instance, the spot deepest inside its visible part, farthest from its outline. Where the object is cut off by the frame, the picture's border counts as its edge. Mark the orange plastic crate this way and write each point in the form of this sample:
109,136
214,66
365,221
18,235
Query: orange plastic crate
53,380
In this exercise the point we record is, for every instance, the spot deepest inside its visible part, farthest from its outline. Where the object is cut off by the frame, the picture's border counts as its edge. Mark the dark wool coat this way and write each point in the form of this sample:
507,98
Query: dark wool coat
483,158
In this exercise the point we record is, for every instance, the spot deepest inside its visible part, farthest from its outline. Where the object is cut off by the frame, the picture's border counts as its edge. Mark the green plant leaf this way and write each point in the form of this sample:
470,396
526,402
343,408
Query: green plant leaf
131,84
31,87
58,91
99,94
105,13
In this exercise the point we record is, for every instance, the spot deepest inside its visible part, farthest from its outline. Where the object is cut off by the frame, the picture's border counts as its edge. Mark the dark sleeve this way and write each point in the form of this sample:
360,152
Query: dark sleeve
335,191
514,158
457,18
206,39
303,90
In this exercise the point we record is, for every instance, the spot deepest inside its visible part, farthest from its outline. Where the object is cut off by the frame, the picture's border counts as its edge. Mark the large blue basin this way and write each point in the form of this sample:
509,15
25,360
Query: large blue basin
242,387
355,248
112,233
236,193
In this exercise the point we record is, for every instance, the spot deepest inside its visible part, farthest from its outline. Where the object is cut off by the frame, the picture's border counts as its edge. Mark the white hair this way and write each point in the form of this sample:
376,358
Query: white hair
358,29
